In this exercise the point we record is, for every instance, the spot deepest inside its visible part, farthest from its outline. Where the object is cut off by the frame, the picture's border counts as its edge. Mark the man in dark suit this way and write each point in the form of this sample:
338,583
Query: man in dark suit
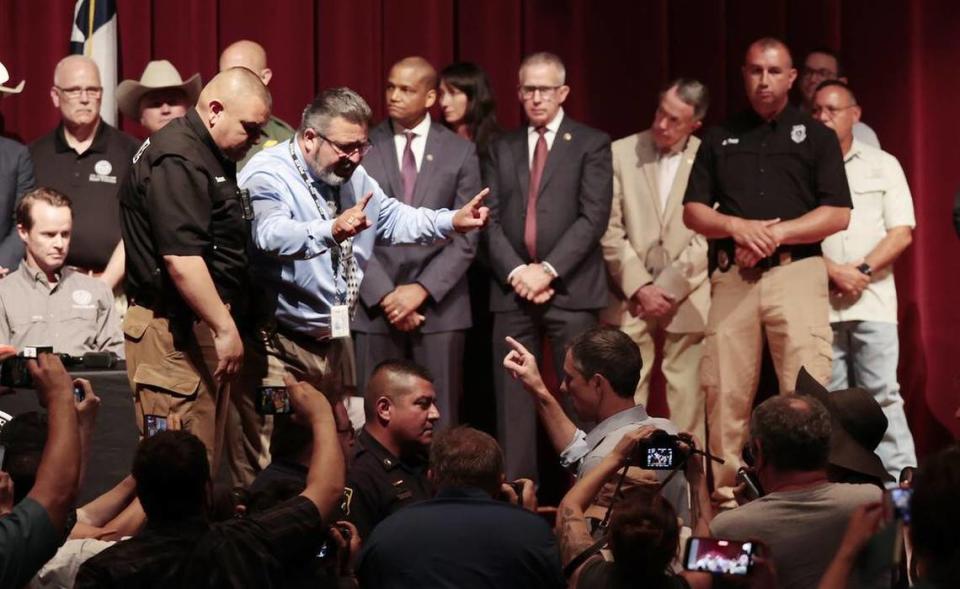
415,302
551,186
16,179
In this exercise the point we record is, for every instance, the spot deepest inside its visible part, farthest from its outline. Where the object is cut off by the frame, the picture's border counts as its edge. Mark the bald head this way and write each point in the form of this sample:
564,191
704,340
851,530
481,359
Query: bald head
234,105
247,54
77,92
767,43
71,65
422,71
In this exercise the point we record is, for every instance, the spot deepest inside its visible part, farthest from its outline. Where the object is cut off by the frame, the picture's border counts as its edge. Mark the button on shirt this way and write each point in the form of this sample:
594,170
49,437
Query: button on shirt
91,180
417,145
74,315
881,201
757,169
293,239
586,451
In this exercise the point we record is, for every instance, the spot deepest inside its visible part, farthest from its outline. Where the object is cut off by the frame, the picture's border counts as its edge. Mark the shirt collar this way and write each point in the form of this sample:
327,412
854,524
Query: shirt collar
856,149
635,414
195,123
384,456
420,130
98,145
552,126
462,493
35,275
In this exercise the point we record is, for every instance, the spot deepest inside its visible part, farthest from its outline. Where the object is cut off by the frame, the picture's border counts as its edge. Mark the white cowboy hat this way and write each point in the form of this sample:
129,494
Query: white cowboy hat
159,74
4,76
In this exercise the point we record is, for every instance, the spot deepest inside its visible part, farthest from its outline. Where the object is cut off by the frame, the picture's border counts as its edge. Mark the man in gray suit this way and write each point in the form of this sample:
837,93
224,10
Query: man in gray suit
415,302
16,179
551,184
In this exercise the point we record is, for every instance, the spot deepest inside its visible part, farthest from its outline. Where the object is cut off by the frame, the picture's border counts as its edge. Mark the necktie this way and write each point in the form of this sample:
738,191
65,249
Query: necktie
536,172
347,260
408,168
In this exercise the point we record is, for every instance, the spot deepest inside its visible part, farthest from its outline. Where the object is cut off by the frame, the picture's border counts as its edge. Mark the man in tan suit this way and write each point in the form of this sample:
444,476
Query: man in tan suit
657,267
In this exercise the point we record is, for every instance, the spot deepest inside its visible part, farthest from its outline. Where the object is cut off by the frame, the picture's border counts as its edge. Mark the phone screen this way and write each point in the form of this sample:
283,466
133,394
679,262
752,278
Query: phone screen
718,556
900,502
152,424
272,400
658,458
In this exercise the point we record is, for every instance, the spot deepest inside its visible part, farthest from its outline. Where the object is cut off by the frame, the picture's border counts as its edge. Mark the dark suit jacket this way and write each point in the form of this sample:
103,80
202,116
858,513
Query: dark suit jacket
573,209
16,178
449,177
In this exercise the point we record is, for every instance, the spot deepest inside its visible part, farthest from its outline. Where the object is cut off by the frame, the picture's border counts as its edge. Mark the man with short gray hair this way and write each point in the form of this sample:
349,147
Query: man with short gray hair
657,266
312,207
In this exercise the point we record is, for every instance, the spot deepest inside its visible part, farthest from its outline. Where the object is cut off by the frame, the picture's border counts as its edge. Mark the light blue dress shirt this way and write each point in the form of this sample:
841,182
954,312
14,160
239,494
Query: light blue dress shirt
292,240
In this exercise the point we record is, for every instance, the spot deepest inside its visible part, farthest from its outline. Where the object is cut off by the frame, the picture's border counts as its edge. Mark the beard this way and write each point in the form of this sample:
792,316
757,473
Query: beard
336,173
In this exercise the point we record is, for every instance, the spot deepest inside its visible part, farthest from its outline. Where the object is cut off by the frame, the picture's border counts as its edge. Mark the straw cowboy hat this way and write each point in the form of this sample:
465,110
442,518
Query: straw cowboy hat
4,76
158,75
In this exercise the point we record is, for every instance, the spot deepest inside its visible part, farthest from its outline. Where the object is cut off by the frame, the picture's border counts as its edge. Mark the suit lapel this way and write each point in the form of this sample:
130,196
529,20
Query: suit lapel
647,160
558,152
683,171
432,150
382,139
521,156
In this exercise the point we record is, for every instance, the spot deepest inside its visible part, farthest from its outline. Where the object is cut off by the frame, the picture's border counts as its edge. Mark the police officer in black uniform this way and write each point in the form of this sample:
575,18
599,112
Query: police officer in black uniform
777,177
389,468
183,226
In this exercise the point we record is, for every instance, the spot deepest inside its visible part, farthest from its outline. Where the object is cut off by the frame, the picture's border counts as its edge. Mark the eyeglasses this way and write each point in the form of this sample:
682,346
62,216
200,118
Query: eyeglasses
830,110
546,92
809,72
74,92
347,149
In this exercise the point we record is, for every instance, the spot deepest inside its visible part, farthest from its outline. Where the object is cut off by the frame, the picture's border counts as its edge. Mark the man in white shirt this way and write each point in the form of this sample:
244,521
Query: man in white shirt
656,265
863,296
823,64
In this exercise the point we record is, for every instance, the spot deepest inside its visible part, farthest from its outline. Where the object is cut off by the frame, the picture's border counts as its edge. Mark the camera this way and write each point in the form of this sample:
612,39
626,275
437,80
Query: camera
661,451
13,370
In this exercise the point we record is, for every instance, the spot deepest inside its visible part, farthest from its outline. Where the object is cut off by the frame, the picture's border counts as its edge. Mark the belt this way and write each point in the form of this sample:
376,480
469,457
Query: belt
724,255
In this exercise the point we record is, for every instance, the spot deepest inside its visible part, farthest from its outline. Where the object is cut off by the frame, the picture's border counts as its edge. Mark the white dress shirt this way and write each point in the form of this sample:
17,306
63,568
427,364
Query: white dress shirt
550,135
667,166
881,201
417,145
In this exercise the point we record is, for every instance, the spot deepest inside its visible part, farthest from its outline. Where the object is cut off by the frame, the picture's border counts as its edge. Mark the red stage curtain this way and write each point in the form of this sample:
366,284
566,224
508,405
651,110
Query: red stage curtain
901,57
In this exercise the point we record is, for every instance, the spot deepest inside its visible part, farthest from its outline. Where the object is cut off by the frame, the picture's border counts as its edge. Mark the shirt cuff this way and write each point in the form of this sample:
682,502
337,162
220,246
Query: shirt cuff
514,271
320,231
445,222
550,269
575,450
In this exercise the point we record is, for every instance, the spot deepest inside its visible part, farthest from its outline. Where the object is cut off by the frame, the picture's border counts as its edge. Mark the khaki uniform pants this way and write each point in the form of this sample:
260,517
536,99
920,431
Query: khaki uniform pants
681,369
789,304
325,365
173,377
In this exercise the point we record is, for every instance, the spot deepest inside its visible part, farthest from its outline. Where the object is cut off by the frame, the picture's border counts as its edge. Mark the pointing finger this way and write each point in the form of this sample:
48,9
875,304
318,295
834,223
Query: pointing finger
517,346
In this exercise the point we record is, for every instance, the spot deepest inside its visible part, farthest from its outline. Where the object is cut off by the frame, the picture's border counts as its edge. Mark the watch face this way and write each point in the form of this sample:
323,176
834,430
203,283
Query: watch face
865,268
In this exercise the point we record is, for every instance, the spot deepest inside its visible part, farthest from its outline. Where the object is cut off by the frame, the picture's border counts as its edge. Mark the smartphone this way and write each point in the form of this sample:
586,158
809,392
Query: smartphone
752,486
78,393
3,454
273,400
152,424
719,556
900,503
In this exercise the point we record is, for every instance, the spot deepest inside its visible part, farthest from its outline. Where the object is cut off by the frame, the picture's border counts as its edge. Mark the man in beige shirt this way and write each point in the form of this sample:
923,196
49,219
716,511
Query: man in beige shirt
44,303
658,267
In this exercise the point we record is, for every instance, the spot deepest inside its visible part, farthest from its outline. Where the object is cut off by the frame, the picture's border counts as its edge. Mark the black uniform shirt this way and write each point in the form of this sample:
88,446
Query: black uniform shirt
782,169
91,180
379,483
180,199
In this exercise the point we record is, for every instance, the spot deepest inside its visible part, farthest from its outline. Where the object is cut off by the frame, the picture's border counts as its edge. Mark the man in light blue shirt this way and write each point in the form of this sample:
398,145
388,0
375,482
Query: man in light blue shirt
317,217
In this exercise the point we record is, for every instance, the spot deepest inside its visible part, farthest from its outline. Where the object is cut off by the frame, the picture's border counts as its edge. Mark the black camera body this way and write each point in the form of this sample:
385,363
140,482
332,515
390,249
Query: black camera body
661,451
13,370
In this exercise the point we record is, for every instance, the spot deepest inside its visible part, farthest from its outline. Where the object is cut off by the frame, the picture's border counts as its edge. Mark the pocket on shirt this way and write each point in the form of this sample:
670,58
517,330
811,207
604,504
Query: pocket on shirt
171,378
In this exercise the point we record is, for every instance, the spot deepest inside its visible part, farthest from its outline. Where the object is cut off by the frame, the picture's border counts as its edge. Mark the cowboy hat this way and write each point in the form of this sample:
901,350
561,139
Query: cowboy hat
858,426
4,76
158,75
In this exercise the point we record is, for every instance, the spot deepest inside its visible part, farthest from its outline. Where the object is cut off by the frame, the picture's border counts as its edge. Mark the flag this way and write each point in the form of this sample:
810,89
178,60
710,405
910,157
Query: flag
94,34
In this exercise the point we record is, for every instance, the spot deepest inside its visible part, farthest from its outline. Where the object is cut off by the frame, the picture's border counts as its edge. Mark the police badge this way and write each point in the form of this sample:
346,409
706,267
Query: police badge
798,133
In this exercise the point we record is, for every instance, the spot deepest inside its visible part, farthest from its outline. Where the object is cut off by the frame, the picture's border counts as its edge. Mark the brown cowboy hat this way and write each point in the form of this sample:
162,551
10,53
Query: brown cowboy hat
158,75
858,426
4,76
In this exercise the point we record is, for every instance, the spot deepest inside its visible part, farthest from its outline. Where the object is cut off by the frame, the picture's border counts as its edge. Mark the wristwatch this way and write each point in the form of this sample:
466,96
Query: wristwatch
865,269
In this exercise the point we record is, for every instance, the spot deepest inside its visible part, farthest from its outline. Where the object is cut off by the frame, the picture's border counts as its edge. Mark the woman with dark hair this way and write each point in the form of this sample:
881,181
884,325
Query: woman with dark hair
468,106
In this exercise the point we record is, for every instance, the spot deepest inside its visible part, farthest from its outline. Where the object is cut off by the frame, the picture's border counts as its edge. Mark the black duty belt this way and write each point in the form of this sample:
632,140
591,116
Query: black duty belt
722,255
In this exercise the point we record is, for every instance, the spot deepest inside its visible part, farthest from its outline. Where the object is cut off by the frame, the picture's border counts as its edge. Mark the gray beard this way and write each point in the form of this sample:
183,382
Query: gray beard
330,179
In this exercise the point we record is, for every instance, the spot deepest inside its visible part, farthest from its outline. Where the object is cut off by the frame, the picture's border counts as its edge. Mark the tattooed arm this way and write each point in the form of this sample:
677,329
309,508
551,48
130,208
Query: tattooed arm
573,534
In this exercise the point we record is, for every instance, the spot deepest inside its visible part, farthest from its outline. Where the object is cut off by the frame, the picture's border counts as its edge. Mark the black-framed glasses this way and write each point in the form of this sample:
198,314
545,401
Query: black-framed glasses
74,92
546,92
348,149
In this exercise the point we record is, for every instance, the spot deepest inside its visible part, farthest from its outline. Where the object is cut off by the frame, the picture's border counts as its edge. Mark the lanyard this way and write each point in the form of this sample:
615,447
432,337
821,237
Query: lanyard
336,252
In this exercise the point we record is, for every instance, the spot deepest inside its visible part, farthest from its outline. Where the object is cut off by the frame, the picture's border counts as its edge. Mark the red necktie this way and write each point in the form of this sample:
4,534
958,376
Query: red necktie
408,169
536,172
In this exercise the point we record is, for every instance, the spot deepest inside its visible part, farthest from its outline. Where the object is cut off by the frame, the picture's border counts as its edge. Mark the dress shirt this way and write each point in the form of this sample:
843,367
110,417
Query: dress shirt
417,145
550,135
881,201
667,166
293,239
